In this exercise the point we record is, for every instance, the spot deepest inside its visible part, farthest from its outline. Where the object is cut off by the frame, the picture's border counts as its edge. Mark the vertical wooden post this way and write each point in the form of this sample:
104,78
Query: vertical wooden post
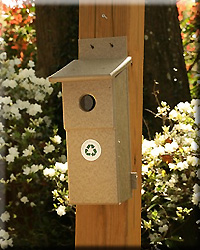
117,225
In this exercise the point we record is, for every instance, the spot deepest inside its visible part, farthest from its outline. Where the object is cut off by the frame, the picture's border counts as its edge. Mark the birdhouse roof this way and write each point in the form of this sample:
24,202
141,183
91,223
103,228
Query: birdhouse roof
90,69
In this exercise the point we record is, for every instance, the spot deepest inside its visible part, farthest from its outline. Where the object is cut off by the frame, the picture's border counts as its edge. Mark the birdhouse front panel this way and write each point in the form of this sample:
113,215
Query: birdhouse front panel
91,157
88,104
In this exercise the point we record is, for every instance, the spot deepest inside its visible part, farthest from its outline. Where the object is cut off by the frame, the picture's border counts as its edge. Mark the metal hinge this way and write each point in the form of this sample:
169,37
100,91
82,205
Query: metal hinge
134,177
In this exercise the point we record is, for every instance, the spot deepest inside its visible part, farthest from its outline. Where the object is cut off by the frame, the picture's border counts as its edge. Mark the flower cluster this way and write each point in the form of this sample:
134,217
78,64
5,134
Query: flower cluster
30,151
58,174
170,172
19,31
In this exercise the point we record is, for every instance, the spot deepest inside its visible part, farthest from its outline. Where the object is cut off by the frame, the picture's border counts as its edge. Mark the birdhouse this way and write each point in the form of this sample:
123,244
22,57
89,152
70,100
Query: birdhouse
96,120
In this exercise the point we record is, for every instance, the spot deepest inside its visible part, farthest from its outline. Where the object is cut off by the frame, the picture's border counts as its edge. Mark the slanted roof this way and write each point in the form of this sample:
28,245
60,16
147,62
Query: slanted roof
90,69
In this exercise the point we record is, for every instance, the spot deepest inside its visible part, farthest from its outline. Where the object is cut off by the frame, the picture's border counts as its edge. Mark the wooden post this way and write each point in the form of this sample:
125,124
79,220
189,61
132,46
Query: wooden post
117,225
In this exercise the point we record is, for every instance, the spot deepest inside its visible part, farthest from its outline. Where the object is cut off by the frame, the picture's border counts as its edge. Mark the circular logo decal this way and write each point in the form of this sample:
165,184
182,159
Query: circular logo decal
91,150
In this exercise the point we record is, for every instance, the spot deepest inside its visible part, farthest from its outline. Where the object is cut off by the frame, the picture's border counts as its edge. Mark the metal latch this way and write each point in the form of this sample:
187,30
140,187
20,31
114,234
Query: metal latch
134,177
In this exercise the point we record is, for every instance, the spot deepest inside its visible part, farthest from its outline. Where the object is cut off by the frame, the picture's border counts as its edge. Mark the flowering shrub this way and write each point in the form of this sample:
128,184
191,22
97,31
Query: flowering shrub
171,174
19,32
30,150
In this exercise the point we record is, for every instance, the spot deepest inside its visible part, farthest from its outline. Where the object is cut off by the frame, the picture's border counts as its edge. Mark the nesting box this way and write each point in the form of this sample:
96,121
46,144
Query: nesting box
96,120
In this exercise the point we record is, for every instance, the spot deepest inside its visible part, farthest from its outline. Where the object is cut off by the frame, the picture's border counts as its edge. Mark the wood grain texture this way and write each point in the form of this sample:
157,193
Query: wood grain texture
117,225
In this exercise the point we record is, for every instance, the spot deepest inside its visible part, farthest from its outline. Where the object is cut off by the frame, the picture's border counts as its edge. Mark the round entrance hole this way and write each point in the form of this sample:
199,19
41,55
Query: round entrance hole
87,103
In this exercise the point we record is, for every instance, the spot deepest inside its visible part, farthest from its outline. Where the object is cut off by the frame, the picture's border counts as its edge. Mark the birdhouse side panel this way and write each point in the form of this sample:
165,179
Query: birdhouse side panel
121,121
92,180
88,104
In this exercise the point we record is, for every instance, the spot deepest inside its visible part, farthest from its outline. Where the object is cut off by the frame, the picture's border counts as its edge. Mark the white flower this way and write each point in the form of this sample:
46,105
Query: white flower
61,167
4,234
39,96
31,64
145,169
172,166
157,151
196,198
196,188
15,111
19,195
62,177
162,229
195,102
24,199
23,104
173,114
1,126
184,177
13,153
59,94
192,160
25,73
9,83
5,216
32,204
3,244
6,100
26,171
3,56
188,141
49,148
182,165
49,172
35,168
194,146
61,210
186,149
196,116
12,178
17,61
56,139
184,107
28,151
63,158
183,127
171,147
147,145
55,193
198,173
33,109
2,142
10,242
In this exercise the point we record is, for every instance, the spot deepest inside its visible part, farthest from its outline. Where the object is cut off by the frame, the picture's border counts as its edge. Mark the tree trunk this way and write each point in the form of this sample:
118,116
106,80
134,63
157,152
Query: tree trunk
57,37
164,65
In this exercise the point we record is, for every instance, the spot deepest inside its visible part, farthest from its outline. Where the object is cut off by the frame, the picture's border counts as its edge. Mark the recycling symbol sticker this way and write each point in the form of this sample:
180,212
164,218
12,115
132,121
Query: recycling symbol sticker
91,150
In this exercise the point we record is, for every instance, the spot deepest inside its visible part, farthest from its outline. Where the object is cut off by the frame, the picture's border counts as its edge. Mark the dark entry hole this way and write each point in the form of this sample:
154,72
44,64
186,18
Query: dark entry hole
87,103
